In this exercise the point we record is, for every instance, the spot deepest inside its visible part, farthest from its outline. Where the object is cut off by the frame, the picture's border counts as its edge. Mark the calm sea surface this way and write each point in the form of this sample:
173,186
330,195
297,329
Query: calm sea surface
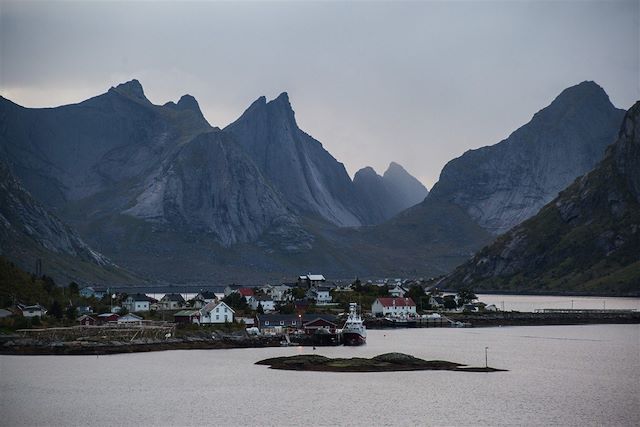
536,302
558,375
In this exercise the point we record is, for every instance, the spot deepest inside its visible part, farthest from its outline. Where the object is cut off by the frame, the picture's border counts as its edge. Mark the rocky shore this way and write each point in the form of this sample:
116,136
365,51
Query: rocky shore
17,345
387,362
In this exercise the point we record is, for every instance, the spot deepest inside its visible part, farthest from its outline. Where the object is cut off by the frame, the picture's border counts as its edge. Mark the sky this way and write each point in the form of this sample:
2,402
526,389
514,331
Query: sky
418,83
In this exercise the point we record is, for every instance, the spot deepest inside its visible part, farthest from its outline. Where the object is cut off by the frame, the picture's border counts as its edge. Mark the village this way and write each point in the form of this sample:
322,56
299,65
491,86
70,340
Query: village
311,305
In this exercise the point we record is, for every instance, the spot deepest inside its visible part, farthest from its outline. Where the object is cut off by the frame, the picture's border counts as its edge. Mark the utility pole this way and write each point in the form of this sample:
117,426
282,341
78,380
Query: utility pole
486,358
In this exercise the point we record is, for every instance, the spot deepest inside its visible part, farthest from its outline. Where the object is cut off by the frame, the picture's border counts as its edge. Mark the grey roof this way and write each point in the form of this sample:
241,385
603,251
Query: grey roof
173,297
208,294
5,313
140,297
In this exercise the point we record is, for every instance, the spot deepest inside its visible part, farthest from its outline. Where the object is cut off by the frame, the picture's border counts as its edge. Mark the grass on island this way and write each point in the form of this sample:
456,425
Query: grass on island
387,362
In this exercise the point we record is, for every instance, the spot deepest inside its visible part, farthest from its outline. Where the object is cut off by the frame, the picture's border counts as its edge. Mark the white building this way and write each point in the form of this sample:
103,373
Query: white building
279,293
216,312
320,294
393,307
32,310
137,302
172,302
397,291
267,303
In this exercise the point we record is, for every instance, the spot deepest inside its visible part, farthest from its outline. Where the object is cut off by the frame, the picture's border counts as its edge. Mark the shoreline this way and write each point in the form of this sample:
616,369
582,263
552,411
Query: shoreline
19,345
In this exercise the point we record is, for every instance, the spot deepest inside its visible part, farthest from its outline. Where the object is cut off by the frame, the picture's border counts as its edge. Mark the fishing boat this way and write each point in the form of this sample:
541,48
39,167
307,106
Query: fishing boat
354,332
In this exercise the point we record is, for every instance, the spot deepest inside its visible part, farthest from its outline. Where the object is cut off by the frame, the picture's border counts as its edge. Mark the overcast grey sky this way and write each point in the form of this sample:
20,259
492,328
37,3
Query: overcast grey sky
418,82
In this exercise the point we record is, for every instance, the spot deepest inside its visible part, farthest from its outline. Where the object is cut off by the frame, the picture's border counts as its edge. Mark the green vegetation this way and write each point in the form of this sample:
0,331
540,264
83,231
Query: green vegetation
17,286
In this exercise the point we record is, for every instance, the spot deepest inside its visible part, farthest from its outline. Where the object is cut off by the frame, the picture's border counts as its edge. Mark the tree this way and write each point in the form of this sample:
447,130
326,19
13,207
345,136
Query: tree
235,301
70,313
123,311
260,310
288,308
466,296
74,288
298,293
56,310
49,284
450,302
416,293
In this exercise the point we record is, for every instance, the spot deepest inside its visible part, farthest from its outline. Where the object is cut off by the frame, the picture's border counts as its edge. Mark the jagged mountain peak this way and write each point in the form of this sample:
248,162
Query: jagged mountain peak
132,88
396,169
366,171
188,102
501,185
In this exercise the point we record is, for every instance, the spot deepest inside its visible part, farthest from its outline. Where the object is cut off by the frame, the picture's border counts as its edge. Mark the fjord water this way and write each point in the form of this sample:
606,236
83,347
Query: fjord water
558,375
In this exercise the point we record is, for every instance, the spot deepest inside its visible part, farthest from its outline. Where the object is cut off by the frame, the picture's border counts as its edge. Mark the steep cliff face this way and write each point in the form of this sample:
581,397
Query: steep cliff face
100,145
29,232
309,178
210,186
502,185
387,195
587,239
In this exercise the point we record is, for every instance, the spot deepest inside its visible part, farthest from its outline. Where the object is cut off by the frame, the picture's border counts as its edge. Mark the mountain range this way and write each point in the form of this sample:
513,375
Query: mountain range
586,239
164,194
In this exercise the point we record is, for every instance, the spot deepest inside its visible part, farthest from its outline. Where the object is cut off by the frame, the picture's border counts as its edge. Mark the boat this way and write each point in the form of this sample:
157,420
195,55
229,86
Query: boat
354,332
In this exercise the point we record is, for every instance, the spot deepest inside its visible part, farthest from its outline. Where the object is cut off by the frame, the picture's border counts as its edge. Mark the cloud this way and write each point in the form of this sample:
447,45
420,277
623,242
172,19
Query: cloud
418,83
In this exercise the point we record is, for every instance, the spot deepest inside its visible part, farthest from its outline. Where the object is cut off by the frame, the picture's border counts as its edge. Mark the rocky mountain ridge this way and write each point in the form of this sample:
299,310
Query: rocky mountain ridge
501,185
587,239
29,232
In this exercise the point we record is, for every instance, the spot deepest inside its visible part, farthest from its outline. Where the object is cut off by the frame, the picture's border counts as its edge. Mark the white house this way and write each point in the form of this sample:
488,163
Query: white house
137,302
320,294
267,303
32,310
278,293
397,291
172,302
393,307
216,312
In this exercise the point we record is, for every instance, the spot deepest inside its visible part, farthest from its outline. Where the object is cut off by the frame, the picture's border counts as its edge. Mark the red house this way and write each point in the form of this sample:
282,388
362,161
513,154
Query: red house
107,317
87,320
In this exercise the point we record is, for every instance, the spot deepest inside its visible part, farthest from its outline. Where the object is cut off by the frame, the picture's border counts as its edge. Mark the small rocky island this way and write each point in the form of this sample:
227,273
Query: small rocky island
383,363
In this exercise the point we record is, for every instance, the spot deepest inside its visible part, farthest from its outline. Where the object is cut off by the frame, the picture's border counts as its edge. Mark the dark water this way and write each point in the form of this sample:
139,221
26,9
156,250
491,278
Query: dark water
558,375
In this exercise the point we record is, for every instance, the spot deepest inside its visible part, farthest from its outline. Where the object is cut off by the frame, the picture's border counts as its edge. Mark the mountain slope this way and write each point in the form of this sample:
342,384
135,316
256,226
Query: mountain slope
387,195
309,178
28,232
502,185
587,239
103,144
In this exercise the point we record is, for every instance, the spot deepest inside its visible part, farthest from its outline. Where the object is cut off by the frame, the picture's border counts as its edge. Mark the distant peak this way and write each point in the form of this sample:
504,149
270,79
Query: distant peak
258,103
582,91
283,97
132,88
188,102
282,104
366,171
396,166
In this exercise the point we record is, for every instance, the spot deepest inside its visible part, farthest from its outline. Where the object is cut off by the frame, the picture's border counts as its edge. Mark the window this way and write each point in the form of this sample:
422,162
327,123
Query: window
217,317
225,310
282,322
266,323
217,309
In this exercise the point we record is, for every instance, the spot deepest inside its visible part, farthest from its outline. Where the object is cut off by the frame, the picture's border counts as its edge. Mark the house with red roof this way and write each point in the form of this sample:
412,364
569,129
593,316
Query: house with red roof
390,306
